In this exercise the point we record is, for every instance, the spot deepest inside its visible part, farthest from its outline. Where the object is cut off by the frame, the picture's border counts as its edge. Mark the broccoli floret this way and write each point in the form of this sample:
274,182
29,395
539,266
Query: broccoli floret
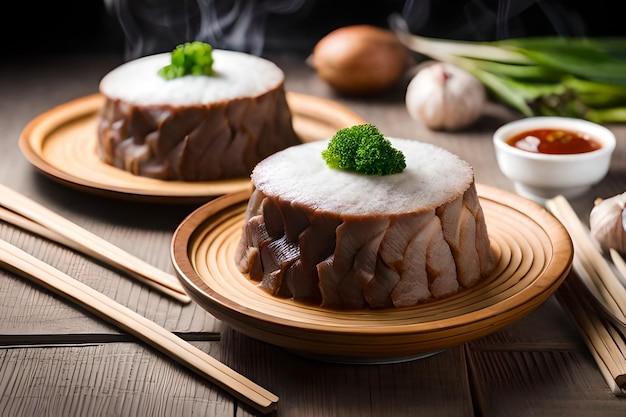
191,58
363,148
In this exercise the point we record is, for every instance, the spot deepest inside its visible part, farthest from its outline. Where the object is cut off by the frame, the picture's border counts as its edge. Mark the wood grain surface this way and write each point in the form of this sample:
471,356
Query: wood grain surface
57,359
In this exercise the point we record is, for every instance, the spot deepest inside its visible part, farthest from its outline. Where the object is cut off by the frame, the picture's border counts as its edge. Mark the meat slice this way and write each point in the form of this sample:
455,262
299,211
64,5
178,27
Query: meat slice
440,264
353,262
486,256
273,218
403,261
248,252
427,267
459,231
317,243
328,285
378,290
276,257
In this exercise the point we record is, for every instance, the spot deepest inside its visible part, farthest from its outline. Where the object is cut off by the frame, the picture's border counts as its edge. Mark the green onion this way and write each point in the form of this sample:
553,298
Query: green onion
539,76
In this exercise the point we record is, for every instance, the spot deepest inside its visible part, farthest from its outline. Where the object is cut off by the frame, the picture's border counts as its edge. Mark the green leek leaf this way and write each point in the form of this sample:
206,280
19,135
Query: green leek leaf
558,76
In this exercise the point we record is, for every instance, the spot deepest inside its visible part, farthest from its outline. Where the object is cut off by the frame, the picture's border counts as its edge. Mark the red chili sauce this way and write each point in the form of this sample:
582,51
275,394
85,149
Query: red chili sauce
554,141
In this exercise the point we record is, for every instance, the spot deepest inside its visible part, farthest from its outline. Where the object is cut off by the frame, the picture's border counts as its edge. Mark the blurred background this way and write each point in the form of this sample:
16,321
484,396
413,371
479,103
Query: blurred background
140,27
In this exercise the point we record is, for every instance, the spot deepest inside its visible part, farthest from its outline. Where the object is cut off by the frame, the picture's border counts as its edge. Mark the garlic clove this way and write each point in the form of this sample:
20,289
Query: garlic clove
443,96
607,223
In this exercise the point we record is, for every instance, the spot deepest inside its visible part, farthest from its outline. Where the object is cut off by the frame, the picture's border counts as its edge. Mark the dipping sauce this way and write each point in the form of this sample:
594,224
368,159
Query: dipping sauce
554,141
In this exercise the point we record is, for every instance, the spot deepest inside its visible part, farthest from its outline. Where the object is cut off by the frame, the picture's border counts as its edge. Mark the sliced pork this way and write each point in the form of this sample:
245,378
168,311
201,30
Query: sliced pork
194,128
344,240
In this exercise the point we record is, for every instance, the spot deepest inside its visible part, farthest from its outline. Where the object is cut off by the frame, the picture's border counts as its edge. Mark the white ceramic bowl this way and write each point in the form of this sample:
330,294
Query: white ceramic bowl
540,176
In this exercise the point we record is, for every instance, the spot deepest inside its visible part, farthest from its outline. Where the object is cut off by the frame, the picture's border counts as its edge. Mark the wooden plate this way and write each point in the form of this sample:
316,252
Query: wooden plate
61,143
535,254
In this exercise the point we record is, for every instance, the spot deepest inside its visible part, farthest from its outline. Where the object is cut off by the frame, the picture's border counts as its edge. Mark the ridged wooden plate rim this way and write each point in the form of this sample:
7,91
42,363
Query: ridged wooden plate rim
535,255
61,143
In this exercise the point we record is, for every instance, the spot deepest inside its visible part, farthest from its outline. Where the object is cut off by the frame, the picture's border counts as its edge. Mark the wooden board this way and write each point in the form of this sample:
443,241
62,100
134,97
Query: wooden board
61,143
534,250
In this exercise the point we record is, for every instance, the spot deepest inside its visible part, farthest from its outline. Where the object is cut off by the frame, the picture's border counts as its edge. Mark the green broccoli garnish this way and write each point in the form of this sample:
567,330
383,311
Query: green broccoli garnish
363,148
191,58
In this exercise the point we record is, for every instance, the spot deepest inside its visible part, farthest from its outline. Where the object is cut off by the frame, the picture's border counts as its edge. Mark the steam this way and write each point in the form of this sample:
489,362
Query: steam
489,20
153,26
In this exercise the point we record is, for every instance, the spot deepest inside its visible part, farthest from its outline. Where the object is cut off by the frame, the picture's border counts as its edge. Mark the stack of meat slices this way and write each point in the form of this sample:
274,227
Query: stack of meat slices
345,240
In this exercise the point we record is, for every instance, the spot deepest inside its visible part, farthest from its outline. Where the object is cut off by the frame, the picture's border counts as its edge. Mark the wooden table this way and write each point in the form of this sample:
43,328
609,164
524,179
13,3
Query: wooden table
59,360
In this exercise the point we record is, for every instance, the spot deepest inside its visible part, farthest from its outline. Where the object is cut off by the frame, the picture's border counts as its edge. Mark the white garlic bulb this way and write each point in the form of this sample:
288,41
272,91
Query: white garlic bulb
443,96
607,223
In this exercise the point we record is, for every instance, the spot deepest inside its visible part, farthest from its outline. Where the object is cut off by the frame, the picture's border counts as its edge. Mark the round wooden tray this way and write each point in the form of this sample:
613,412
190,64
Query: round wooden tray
535,254
61,143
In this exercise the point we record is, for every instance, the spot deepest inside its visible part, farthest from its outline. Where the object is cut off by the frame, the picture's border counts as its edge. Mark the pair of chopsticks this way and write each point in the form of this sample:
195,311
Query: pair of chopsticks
590,264
594,276
29,215
126,319
606,344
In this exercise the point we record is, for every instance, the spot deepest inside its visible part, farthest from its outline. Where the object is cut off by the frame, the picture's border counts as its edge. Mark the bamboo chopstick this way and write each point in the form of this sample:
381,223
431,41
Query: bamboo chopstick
594,263
619,262
23,212
592,275
158,337
605,344
598,293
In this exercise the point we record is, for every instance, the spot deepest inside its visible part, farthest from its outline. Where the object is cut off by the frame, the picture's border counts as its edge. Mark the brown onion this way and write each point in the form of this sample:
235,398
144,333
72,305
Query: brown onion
360,59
